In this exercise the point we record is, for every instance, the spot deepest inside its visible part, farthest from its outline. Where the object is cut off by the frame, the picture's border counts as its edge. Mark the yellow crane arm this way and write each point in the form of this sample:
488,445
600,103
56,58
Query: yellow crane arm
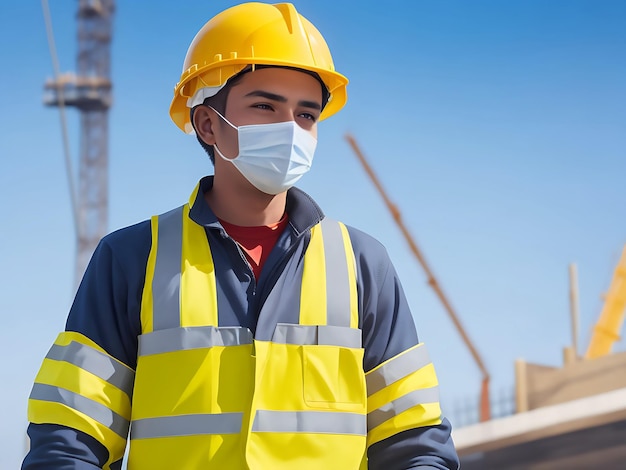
607,328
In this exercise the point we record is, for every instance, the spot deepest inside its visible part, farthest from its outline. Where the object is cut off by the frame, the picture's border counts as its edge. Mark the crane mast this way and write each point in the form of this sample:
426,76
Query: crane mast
89,90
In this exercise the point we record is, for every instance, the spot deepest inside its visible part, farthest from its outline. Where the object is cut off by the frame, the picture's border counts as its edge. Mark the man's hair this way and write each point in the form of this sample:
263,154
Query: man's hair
218,101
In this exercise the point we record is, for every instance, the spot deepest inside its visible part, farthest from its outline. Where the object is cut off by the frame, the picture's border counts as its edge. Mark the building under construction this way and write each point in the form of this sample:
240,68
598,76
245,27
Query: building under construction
573,417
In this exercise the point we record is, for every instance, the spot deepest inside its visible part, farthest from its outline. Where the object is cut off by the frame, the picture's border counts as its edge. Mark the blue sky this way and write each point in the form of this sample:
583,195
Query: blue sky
498,129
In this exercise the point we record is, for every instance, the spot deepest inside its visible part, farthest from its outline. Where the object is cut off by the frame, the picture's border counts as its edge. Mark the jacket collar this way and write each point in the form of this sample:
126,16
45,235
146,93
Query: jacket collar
302,210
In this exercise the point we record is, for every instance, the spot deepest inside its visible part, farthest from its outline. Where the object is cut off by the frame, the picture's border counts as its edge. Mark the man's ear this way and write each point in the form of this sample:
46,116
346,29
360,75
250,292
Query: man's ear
203,119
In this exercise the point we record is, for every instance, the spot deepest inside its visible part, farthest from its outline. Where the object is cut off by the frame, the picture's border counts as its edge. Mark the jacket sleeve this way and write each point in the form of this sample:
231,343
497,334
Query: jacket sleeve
406,429
60,447
79,407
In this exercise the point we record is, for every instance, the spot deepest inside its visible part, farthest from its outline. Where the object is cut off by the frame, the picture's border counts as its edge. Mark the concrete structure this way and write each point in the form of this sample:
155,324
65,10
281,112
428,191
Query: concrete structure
567,418
581,434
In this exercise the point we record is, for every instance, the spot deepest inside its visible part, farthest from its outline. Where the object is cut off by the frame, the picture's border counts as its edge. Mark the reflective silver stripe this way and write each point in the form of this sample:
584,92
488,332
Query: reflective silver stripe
87,406
166,281
397,406
177,339
317,334
337,280
186,425
318,422
397,368
95,362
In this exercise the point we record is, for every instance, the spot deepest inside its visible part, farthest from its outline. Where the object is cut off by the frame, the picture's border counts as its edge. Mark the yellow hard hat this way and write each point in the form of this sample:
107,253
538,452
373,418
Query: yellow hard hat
253,34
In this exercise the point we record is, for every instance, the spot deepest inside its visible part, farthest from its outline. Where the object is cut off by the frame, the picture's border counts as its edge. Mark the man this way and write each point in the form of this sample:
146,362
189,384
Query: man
244,329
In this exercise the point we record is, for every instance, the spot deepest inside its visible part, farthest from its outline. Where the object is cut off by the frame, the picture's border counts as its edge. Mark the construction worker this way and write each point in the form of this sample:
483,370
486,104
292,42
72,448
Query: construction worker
243,329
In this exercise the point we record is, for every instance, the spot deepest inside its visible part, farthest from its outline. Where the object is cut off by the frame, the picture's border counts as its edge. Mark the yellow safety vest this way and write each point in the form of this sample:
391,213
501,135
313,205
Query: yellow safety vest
205,395
211,396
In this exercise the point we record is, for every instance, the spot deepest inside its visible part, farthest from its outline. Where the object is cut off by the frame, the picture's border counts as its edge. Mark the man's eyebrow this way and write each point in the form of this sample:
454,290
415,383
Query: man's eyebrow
310,104
282,99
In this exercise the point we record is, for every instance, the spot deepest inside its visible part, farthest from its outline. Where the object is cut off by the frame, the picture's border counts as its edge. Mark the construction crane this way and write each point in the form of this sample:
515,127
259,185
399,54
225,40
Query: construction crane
88,90
607,328
484,406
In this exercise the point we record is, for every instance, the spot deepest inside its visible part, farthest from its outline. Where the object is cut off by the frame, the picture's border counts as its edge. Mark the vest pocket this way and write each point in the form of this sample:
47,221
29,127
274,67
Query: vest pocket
332,375
331,362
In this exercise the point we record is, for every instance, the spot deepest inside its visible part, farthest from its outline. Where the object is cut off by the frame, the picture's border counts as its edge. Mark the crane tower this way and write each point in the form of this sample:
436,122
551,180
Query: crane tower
89,90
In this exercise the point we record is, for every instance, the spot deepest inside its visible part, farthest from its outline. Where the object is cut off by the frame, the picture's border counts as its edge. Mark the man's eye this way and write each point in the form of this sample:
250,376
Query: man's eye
309,116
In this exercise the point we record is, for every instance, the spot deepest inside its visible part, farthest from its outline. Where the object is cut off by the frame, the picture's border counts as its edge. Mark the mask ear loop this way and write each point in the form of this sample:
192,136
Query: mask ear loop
219,152
225,120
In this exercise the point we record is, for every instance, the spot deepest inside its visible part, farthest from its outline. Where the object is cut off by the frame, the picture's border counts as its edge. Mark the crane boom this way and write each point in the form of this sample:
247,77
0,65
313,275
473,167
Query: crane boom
432,281
609,324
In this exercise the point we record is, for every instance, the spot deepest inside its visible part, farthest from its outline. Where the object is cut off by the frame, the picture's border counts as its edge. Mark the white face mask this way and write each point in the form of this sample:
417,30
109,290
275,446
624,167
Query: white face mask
272,157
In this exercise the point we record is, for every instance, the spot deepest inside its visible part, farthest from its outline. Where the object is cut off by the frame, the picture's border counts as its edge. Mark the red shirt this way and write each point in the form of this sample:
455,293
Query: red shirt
256,242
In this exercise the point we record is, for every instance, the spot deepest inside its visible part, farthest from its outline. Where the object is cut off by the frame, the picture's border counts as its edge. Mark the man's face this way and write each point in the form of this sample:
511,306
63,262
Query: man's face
265,96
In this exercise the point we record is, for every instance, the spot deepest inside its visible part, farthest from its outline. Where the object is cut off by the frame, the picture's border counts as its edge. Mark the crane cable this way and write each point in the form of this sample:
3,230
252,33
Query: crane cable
61,99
